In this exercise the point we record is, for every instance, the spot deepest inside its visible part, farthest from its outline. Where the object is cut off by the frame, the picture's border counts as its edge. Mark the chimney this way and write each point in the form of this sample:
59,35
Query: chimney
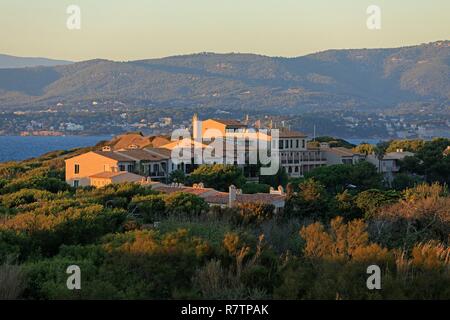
196,127
281,190
231,196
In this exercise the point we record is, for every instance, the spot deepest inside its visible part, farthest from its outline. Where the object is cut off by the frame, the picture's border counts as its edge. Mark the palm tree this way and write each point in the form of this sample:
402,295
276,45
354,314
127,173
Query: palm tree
380,151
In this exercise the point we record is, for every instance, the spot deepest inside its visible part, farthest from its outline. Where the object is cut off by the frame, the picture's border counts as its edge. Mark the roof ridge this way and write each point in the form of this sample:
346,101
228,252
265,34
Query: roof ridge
126,155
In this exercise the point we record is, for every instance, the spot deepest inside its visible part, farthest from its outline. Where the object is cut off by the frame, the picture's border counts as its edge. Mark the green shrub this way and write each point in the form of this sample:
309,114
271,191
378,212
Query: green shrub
25,196
180,203
152,207
251,187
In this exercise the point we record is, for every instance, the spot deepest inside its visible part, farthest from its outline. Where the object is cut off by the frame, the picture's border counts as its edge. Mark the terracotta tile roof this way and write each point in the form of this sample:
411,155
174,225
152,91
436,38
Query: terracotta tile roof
291,134
142,155
127,140
341,151
397,155
259,197
196,191
167,153
231,123
158,141
223,198
109,175
217,197
169,189
113,155
184,143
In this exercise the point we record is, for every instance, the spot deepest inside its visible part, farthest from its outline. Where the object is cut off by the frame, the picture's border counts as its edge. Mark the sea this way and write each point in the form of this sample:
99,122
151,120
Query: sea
359,141
16,148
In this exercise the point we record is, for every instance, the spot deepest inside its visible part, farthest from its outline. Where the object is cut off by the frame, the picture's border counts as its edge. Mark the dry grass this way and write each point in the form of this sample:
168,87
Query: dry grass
216,282
11,281
431,255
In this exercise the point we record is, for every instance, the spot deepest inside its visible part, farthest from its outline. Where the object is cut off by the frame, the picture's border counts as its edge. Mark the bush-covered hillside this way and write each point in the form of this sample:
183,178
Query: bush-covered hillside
132,243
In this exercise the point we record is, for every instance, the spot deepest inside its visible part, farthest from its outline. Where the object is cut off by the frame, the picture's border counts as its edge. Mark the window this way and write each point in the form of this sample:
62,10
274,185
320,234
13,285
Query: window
281,144
76,183
291,144
77,169
347,161
286,144
296,144
121,167
303,143
130,167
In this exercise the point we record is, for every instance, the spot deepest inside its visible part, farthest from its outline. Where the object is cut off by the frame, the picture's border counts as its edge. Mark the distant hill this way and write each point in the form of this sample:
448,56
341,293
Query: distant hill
357,78
7,61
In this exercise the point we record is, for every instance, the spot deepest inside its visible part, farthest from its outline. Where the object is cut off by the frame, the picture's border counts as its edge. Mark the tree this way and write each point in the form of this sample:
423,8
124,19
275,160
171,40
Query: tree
310,202
380,151
151,207
411,165
346,206
406,145
186,204
424,191
218,176
177,176
436,165
403,181
370,201
423,214
337,178
281,178
364,148
341,242
430,161
251,187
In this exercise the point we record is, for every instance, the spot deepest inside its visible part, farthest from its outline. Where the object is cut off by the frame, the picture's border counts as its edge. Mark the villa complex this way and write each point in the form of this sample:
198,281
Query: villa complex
135,158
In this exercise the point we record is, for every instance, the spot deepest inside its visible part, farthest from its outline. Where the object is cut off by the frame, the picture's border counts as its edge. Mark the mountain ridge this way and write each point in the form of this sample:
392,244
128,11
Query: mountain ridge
340,78
11,62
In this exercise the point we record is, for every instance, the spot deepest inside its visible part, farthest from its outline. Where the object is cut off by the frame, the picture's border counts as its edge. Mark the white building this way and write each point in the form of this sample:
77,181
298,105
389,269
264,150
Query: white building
340,155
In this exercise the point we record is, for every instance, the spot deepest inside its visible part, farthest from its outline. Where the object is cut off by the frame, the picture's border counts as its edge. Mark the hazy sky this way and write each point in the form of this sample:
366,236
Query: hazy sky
137,29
